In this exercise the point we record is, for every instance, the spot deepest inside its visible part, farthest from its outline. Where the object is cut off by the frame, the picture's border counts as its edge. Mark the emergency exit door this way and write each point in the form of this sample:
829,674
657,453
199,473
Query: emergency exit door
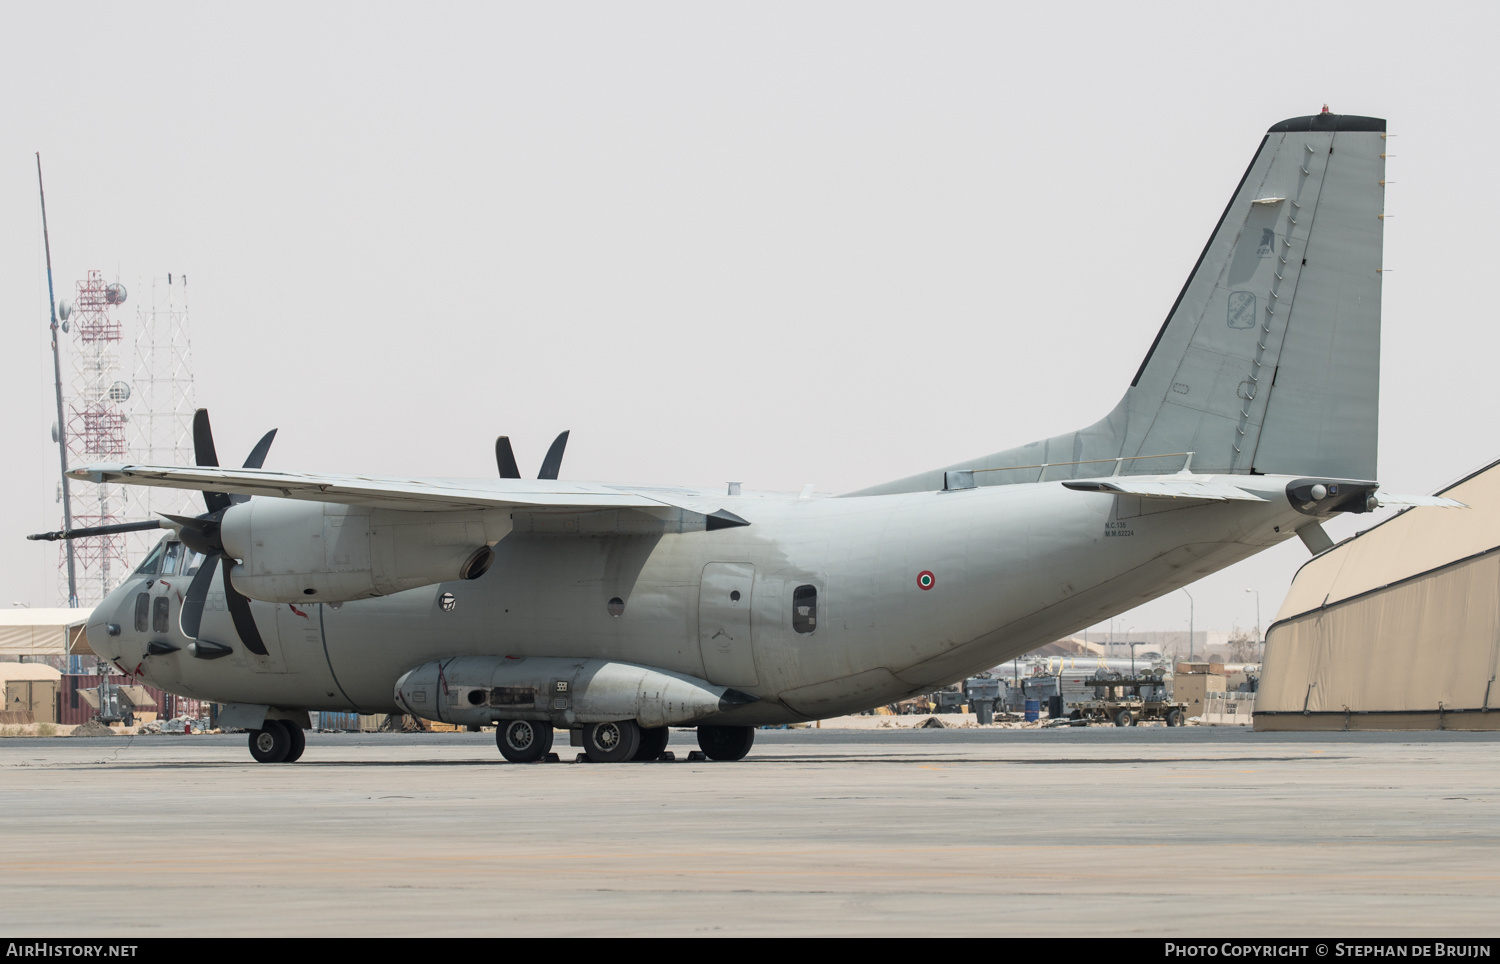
724,623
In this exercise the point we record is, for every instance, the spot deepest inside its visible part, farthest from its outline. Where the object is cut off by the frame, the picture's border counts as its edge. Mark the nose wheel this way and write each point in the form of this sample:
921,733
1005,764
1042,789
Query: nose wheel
280,741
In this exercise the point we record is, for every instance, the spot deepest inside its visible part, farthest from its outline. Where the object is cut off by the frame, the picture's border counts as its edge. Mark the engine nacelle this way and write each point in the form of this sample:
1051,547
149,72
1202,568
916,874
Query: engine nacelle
476,690
294,551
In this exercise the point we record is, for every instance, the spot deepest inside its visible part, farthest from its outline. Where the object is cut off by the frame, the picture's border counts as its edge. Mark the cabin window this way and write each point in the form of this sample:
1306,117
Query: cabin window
159,615
805,609
142,612
152,561
174,556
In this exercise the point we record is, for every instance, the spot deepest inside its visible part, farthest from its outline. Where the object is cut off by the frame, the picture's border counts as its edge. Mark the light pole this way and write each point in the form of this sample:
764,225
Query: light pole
1257,617
1190,624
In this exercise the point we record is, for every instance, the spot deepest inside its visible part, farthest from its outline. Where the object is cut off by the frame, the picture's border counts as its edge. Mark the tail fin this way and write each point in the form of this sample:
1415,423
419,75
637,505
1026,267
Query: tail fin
1269,361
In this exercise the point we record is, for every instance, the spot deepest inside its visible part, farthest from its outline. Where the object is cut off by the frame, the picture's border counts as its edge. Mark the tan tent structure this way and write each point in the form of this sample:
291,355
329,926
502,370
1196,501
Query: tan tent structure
1397,628
44,632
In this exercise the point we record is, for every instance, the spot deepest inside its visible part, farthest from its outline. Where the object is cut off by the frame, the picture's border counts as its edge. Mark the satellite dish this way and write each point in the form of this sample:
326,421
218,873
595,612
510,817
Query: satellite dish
64,309
54,431
119,392
114,294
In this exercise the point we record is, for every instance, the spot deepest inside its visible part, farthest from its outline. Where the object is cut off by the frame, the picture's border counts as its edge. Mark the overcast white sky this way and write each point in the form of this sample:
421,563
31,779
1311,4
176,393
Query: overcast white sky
775,242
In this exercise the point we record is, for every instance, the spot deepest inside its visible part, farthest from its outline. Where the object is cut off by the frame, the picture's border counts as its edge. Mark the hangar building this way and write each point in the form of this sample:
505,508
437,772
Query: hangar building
1397,628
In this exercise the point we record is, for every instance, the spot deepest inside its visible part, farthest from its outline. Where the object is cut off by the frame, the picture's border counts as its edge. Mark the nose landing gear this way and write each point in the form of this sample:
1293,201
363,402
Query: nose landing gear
279,741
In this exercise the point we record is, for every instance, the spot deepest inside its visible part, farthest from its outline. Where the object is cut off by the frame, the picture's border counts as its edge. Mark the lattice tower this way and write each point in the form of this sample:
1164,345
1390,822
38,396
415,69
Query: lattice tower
95,432
161,404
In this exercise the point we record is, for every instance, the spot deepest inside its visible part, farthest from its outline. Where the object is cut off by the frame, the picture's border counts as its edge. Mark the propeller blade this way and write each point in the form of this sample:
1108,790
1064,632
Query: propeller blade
192,603
88,531
506,459
258,454
203,449
553,462
244,621
256,460
203,439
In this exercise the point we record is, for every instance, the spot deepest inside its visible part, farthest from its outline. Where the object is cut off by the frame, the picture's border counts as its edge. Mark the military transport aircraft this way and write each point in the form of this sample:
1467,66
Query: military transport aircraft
616,611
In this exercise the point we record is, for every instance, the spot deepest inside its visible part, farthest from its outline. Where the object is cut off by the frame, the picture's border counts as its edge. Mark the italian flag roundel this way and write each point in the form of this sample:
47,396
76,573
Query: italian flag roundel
925,579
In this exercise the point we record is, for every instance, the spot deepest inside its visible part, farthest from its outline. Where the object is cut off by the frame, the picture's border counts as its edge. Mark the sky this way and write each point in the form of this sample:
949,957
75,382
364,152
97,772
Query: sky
781,243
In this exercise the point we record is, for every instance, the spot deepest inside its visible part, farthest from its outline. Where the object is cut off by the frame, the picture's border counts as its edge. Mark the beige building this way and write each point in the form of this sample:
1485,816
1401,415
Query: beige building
1397,628
44,632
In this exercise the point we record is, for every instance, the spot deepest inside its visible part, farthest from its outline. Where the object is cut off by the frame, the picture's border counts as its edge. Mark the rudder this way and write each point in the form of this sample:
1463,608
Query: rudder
1269,360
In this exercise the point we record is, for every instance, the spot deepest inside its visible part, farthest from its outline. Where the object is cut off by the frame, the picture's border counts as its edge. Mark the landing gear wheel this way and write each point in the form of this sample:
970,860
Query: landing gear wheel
271,744
297,741
1123,718
725,742
1174,717
653,744
523,741
614,742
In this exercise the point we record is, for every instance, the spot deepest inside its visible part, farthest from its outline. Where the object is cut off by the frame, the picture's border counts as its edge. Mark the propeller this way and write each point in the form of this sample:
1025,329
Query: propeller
202,534
505,458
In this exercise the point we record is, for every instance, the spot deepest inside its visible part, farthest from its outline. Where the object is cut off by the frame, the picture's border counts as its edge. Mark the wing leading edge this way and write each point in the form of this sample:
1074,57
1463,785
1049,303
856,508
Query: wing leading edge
431,495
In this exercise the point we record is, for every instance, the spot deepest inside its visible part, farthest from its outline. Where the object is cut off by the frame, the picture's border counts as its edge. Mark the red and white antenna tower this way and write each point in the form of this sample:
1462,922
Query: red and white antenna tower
95,430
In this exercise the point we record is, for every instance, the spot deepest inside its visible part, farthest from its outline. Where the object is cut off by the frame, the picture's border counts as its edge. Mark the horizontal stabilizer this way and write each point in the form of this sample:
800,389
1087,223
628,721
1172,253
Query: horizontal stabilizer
1184,488
1392,500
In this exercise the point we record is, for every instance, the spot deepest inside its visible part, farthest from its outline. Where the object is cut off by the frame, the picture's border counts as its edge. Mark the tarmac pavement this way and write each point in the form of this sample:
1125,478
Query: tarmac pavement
1197,831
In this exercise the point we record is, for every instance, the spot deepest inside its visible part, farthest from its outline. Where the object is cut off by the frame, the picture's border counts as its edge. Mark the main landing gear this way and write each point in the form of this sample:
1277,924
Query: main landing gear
619,741
281,741
523,741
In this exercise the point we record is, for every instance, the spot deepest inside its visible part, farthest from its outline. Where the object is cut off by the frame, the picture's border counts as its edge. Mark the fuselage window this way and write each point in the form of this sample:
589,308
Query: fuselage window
152,561
142,612
159,615
174,556
805,609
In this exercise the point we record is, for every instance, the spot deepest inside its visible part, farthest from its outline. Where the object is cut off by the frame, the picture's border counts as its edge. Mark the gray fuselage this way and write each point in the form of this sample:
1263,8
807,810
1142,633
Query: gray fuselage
1008,567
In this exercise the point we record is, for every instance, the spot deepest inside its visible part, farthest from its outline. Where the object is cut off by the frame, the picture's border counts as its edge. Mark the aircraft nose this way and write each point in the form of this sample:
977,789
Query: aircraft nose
103,629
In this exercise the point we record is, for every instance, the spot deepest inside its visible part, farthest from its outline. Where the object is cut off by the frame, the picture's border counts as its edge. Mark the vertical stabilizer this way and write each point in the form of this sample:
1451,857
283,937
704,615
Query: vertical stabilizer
1269,360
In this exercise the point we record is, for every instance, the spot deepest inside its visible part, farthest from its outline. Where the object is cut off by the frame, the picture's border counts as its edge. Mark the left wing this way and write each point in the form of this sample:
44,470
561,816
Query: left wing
432,495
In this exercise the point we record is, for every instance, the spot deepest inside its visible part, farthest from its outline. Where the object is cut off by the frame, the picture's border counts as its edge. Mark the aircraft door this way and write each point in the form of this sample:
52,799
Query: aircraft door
724,623
299,632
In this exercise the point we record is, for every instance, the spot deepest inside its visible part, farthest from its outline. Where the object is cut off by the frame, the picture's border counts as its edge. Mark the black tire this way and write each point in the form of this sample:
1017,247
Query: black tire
523,741
653,744
297,741
612,742
727,743
1174,716
1123,718
271,744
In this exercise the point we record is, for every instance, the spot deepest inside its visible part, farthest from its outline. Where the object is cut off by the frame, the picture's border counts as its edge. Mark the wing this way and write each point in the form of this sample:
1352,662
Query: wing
433,495
1211,491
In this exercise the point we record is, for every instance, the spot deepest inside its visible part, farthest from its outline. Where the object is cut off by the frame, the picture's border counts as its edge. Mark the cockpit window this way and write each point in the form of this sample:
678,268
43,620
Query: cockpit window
153,561
805,609
174,556
194,560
